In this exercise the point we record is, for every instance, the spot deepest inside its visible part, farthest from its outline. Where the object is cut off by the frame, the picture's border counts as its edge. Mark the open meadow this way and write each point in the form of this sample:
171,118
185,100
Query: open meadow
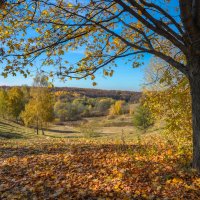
120,162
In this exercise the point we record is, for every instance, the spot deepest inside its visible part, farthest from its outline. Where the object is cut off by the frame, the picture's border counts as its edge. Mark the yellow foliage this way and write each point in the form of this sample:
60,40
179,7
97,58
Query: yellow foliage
44,12
94,83
170,100
116,41
117,108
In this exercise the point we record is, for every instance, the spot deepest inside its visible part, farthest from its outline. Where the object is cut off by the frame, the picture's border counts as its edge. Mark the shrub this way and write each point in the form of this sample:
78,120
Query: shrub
142,118
120,107
116,109
103,105
88,131
60,110
67,111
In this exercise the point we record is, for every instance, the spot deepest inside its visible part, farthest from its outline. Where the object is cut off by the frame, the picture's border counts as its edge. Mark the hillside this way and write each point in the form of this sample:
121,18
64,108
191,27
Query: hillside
95,93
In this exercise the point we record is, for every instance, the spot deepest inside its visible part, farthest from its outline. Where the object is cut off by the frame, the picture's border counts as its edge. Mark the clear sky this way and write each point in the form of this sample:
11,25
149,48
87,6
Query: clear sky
125,77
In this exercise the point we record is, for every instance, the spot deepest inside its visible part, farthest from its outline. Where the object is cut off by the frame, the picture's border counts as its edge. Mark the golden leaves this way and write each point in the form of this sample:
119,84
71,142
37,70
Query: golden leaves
38,30
92,77
78,169
100,61
61,52
139,25
116,41
105,73
94,83
70,5
45,12
111,73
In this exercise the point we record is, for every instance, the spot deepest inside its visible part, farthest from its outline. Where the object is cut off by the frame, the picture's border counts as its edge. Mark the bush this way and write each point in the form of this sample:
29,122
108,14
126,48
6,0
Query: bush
119,108
68,111
142,118
116,109
103,105
88,131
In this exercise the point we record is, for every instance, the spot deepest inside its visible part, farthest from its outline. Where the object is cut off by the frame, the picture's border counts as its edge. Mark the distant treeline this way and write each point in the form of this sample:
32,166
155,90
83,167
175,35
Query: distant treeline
128,96
133,97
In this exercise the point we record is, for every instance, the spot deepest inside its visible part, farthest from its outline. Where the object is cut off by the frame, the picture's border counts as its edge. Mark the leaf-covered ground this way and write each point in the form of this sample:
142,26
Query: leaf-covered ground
44,168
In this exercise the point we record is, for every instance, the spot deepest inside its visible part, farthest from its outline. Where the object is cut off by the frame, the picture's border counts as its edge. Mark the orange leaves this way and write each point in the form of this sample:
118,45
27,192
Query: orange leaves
94,83
68,169
100,61
175,181
117,42
44,12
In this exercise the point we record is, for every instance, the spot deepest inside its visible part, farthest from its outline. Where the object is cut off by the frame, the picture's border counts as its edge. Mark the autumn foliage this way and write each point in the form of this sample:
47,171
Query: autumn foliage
151,168
168,98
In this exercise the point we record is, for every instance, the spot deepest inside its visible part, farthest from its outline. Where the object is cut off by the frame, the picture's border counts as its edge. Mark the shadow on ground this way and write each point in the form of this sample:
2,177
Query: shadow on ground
88,171
9,135
60,131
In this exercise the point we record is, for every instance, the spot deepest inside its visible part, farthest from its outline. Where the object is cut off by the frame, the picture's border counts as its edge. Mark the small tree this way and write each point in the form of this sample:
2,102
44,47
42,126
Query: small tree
60,110
142,118
26,92
3,102
79,108
117,108
168,98
103,105
40,80
39,110
15,102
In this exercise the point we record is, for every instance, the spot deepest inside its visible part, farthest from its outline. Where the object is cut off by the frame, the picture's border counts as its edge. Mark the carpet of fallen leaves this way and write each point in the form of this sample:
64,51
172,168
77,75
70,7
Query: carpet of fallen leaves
60,169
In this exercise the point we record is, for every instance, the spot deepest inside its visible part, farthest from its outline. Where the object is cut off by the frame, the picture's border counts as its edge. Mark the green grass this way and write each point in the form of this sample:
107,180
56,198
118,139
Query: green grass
118,130
11,130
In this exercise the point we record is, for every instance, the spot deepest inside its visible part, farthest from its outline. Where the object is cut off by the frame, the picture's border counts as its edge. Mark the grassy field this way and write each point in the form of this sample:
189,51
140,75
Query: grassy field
120,162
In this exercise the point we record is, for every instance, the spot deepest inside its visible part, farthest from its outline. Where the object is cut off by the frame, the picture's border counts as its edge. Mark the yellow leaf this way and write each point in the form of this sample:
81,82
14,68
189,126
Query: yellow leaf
94,83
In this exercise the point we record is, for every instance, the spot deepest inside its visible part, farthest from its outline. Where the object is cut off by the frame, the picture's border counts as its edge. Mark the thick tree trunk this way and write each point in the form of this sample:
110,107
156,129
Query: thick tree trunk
195,93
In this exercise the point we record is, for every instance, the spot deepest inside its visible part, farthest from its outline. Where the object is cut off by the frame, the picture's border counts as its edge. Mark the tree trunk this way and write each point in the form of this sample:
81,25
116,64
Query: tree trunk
37,127
194,78
42,129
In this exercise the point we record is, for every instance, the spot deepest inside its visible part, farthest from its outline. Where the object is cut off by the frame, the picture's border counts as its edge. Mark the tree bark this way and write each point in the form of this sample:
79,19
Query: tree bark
194,78
37,127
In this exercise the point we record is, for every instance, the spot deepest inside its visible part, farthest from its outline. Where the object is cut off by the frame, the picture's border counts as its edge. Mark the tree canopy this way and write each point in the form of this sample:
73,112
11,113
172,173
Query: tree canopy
107,30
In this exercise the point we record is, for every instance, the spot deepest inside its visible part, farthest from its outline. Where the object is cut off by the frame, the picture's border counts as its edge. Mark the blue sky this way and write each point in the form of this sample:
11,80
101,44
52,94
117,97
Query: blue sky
125,78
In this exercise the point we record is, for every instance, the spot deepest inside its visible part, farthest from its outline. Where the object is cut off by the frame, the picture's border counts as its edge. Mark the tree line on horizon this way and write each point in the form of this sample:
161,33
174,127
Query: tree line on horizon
128,96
